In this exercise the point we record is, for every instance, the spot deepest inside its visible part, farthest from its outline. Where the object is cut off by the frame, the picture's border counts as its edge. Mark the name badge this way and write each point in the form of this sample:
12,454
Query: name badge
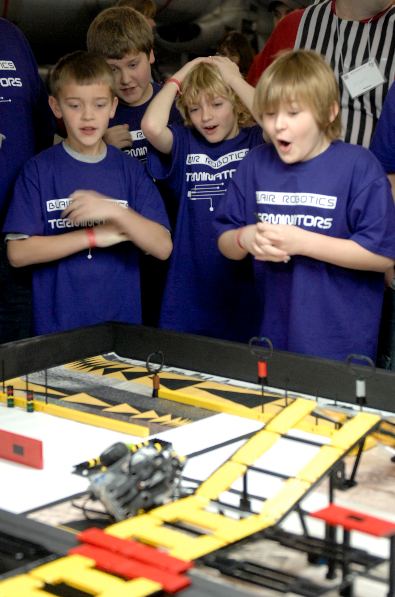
364,78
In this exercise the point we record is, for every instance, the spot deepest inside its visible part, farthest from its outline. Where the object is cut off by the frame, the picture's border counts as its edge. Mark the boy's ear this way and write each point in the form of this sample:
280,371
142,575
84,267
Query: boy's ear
333,111
152,57
53,103
114,106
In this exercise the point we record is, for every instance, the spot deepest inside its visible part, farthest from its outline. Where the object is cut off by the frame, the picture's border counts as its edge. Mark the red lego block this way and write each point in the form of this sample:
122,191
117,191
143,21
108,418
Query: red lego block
132,549
351,520
130,568
21,449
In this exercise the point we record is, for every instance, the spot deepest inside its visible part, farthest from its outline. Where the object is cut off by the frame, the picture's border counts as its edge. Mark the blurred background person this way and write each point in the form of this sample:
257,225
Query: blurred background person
237,48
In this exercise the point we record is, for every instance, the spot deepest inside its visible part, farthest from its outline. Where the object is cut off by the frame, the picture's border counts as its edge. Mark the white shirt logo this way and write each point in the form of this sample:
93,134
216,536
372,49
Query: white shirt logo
292,199
7,65
202,158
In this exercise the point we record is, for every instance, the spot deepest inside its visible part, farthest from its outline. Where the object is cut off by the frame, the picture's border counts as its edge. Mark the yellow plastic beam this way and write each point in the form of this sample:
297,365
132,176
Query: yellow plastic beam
291,415
79,572
319,464
24,585
255,447
149,529
221,480
354,430
278,505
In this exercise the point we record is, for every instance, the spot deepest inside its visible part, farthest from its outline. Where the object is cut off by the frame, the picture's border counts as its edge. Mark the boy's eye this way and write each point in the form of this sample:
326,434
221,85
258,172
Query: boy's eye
216,104
190,110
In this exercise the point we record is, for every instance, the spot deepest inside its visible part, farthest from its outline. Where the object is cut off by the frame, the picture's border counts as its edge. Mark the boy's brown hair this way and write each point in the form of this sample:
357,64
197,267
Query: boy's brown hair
302,76
146,7
118,31
206,78
81,68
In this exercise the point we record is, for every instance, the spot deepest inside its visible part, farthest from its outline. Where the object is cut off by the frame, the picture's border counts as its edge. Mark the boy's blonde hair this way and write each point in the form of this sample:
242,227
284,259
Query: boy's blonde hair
302,76
118,31
206,78
81,68
146,7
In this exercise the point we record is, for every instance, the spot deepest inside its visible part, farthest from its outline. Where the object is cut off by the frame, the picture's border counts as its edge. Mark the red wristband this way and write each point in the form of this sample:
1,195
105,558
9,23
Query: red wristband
239,233
91,238
176,83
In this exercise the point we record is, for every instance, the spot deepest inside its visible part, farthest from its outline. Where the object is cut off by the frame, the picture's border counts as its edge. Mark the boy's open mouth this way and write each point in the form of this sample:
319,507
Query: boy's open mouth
88,130
284,145
210,129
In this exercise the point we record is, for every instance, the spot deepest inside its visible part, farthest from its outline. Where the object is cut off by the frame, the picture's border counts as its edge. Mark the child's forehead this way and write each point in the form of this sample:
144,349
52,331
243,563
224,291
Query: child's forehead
202,97
128,57
87,90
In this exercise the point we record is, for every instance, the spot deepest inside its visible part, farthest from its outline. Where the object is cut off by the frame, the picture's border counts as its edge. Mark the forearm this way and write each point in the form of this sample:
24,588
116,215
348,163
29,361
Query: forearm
43,249
149,236
343,252
231,242
156,118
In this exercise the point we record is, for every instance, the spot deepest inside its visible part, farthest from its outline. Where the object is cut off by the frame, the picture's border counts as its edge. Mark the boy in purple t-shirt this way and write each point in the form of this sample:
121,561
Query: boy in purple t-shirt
205,293
83,243
326,218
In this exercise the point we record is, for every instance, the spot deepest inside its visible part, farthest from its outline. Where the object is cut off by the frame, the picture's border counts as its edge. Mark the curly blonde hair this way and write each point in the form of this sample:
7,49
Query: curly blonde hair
206,78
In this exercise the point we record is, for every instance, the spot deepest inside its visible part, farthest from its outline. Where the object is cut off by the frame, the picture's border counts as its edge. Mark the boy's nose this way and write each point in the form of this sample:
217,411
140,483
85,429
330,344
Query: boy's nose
279,122
206,114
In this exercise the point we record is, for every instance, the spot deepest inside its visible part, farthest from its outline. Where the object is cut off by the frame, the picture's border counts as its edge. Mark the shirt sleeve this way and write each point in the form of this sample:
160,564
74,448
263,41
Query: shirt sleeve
24,215
383,142
166,167
371,210
148,201
231,212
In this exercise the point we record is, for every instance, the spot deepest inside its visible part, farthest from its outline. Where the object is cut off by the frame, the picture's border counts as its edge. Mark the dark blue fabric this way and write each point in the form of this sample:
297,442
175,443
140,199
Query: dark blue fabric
77,291
26,122
205,293
133,115
383,142
310,306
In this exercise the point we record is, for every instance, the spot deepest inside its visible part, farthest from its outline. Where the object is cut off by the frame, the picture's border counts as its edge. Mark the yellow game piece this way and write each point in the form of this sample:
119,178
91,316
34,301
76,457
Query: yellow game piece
255,447
221,480
149,529
319,464
23,585
79,572
191,511
291,415
354,430
279,504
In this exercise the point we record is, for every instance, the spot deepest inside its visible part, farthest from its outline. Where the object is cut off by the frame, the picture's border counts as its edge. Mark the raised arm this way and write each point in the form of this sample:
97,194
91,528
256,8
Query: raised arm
232,76
156,117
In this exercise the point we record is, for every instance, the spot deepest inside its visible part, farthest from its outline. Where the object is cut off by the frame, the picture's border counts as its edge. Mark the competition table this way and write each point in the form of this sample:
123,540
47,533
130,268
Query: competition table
68,442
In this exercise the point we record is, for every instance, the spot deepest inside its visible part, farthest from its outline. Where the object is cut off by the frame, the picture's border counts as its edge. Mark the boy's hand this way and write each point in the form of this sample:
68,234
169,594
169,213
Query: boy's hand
118,136
89,206
107,235
229,70
184,71
276,242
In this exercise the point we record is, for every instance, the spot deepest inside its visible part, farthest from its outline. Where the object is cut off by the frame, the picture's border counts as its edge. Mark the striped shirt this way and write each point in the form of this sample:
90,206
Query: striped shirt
346,44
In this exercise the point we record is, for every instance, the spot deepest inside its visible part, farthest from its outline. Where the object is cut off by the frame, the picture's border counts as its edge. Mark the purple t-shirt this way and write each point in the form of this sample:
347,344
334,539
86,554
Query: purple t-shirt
77,291
25,116
205,293
133,115
309,306
383,142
